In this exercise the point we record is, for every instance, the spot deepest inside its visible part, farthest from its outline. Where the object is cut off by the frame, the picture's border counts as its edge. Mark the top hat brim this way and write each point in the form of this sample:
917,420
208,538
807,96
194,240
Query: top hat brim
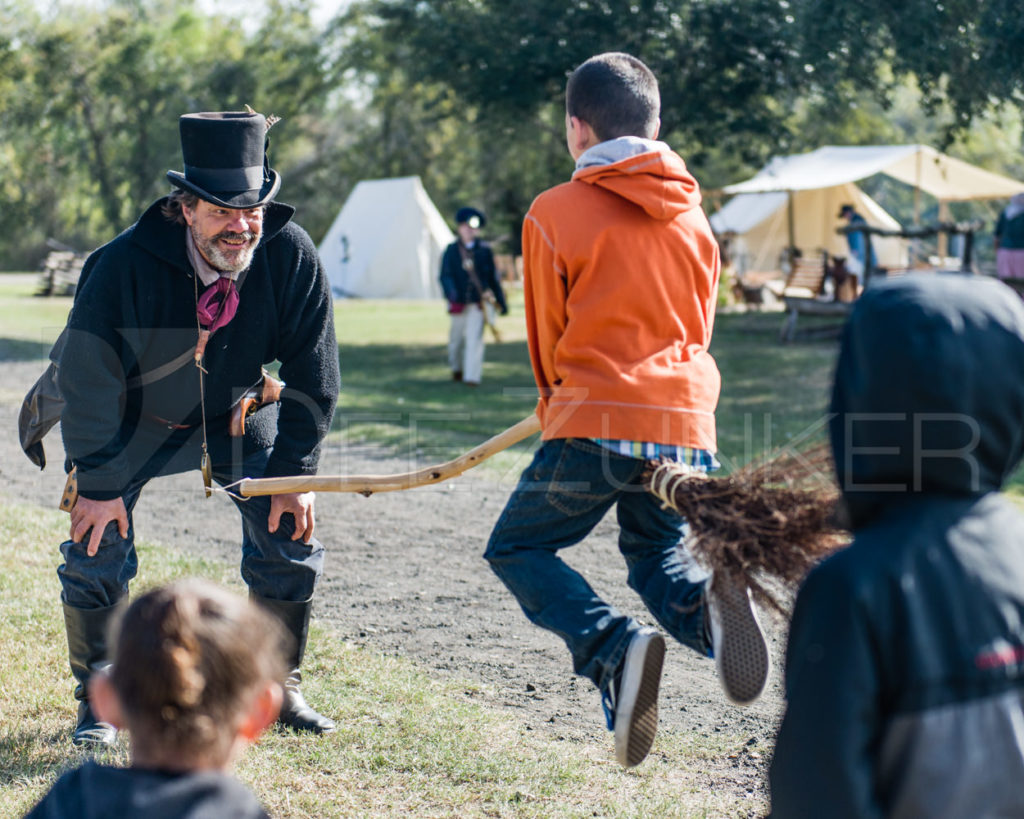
231,199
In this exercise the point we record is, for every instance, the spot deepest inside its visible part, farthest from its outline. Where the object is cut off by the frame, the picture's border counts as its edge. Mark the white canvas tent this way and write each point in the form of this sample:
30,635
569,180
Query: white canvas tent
757,226
818,182
386,242
924,168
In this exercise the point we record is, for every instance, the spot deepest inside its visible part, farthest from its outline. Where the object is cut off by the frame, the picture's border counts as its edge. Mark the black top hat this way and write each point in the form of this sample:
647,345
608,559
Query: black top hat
469,216
225,156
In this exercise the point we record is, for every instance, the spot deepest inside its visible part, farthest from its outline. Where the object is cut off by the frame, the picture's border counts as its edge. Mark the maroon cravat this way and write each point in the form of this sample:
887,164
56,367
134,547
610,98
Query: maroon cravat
218,304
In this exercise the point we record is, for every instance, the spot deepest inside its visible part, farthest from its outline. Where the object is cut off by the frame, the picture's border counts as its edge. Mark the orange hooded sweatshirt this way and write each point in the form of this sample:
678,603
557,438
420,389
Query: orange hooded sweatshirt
621,280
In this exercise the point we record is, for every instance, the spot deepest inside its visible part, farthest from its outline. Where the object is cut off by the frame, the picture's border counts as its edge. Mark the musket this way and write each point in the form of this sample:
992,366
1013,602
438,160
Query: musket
488,306
487,300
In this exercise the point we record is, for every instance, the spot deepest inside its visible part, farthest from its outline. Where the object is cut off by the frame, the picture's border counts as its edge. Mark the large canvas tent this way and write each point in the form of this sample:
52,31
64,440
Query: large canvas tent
800,195
761,227
924,168
386,242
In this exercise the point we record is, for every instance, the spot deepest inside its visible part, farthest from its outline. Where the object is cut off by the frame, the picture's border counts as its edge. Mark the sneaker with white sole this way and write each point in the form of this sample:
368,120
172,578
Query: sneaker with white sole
631,703
737,642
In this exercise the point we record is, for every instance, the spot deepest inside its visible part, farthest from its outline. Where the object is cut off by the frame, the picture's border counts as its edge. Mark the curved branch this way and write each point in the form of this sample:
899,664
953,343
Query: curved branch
368,484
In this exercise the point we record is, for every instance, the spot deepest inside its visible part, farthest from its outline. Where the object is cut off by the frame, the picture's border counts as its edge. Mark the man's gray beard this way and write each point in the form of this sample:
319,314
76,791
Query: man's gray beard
217,260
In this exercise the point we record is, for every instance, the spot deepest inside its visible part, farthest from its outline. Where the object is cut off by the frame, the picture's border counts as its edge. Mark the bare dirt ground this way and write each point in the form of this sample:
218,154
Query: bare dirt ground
405,577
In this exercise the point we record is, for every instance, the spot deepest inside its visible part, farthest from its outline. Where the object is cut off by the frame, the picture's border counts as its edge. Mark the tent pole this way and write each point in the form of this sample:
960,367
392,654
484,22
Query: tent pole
917,189
942,249
791,220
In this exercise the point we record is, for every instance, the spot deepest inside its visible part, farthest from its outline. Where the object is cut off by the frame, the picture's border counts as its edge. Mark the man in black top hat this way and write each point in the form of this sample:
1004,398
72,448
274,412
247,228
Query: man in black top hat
172,323
470,284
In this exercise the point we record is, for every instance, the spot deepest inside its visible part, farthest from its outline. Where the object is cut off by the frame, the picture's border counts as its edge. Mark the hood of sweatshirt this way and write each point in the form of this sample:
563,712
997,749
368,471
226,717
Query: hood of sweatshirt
645,172
929,391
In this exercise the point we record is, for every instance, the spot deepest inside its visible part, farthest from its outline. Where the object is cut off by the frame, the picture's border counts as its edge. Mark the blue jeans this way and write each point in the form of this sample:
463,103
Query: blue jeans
273,565
560,498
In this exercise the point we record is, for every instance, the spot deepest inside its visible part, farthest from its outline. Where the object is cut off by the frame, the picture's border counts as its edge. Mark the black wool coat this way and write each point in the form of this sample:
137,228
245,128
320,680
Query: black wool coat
135,311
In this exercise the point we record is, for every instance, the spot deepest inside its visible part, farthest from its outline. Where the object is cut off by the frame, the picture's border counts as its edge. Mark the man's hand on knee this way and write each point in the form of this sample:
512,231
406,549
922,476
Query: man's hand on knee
300,506
95,515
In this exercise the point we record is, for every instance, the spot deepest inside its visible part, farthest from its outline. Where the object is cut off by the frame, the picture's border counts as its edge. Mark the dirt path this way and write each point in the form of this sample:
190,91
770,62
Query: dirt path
405,577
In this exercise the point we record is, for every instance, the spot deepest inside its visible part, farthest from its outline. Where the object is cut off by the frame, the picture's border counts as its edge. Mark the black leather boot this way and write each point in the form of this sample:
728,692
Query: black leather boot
296,713
87,653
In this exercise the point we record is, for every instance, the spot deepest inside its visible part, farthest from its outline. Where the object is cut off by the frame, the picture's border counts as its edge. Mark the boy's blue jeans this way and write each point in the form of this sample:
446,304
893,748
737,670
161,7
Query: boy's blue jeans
273,565
560,498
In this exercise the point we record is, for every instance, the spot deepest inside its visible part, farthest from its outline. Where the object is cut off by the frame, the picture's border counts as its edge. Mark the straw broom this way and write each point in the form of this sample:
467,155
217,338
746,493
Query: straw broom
765,525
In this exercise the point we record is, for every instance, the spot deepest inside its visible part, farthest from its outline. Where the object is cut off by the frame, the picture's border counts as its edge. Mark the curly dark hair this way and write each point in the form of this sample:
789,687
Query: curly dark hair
176,201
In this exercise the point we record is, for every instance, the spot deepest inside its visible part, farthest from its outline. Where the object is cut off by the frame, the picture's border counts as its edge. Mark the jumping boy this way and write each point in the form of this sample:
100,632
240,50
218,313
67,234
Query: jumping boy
621,279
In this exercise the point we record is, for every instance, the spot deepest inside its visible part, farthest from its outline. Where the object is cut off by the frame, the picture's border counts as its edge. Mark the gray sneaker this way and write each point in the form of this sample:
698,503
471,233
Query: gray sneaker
631,703
737,642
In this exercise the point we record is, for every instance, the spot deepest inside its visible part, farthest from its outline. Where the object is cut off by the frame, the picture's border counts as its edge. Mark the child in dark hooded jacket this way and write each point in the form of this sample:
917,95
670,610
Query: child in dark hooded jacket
196,676
905,664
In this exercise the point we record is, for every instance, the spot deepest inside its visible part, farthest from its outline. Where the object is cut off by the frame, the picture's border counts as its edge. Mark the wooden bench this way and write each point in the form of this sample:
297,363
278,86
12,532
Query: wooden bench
803,295
61,269
807,277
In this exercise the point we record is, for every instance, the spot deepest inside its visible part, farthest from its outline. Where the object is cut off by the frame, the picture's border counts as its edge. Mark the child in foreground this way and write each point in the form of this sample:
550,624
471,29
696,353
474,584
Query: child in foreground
905,664
195,677
621,279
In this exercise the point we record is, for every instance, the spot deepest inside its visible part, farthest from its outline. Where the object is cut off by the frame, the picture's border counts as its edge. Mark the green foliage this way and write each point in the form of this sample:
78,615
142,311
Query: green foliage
725,70
92,129
468,94
964,53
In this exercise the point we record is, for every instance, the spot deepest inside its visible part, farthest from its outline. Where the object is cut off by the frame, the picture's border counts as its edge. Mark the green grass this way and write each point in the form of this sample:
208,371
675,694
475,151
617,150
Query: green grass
407,745
396,390
397,397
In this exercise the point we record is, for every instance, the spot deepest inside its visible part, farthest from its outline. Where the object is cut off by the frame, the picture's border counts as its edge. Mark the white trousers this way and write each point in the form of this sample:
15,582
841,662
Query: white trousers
466,343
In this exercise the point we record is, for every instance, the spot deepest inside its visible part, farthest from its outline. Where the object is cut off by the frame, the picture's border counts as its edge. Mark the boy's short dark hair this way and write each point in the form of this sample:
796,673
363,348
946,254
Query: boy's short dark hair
616,95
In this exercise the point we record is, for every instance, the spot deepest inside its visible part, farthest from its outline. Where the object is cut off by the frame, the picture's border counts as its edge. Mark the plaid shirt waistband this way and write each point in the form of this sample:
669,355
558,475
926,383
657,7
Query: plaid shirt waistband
700,459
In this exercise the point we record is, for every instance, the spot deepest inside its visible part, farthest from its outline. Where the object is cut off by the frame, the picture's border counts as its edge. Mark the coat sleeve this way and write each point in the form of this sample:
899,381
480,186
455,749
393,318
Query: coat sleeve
308,352
91,377
824,753
448,274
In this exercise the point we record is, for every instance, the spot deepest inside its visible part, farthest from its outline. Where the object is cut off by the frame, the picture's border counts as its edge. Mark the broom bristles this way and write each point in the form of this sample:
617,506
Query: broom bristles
765,526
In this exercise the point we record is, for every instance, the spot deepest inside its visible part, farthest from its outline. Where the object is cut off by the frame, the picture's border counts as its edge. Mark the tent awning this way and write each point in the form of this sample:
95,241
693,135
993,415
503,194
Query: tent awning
920,166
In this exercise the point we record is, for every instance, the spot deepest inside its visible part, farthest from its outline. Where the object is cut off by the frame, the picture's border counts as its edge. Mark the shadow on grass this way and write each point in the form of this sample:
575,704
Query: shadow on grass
28,752
20,349
405,393
773,394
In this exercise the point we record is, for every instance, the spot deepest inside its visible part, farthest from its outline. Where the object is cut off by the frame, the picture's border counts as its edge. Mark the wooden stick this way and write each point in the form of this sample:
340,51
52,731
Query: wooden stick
368,484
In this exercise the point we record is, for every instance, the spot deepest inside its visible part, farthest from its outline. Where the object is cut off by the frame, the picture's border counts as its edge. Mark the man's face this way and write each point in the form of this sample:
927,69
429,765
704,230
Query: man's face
467,232
227,237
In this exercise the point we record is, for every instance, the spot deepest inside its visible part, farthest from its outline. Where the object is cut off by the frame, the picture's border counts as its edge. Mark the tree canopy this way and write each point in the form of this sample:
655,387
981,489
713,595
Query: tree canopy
468,94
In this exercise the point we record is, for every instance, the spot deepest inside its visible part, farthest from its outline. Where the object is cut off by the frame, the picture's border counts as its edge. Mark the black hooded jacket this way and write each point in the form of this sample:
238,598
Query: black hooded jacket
905,664
135,312
95,791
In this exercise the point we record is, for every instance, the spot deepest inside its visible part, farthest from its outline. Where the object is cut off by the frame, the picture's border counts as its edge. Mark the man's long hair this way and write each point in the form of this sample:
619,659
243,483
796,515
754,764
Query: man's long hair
177,200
